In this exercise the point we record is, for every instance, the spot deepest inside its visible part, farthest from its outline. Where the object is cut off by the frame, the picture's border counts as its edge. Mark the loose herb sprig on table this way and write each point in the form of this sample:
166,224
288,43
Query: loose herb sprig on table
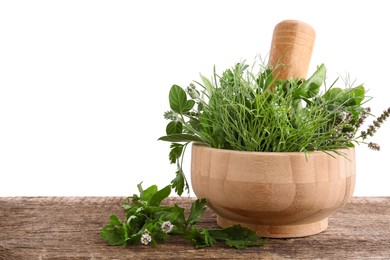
249,110
147,221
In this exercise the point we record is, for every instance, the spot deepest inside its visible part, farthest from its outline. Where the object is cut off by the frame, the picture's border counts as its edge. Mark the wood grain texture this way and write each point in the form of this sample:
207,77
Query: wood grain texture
67,228
277,194
291,49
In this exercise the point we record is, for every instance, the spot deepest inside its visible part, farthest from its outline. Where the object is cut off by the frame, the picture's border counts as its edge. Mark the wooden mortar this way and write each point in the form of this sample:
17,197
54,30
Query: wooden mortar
279,195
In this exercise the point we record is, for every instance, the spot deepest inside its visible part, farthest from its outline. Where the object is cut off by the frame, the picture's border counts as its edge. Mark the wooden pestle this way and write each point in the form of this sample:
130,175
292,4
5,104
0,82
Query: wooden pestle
291,49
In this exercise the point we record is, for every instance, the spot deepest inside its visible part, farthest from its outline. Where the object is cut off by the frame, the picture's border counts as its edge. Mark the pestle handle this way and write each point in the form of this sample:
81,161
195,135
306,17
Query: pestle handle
291,49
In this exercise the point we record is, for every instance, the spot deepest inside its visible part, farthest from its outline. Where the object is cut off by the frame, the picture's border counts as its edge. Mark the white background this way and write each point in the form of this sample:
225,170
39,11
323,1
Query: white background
84,84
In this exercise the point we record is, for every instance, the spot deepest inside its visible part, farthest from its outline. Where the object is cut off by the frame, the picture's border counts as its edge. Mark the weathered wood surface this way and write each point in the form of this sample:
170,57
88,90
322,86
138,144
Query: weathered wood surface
68,228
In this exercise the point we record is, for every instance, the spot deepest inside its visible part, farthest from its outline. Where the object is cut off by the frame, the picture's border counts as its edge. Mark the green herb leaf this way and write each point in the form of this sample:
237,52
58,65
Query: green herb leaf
197,238
114,232
198,209
178,183
207,85
176,216
237,236
208,239
355,96
195,124
147,194
178,100
311,86
177,138
334,95
188,106
174,127
176,152
159,196
346,97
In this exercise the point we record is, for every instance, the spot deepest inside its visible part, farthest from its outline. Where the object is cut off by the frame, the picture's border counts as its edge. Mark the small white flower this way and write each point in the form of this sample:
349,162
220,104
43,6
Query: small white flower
146,238
167,227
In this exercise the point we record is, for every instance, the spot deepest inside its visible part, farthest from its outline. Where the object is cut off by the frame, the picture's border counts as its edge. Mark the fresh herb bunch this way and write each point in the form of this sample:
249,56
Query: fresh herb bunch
247,109
147,221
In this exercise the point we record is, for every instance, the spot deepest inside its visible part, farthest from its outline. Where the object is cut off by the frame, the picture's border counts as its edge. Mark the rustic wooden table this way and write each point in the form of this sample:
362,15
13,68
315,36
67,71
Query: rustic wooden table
68,228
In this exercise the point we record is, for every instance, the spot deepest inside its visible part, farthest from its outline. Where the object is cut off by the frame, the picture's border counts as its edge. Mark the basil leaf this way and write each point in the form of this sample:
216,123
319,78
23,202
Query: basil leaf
178,99
188,106
174,127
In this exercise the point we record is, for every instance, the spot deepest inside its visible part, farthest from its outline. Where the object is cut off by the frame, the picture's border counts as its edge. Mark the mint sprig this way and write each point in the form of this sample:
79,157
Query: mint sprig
147,221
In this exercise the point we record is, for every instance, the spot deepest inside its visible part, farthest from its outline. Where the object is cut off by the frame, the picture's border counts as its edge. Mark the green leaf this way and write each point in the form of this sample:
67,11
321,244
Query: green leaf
141,191
198,209
178,183
176,152
178,100
181,138
159,236
176,216
188,106
174,127
238,236
243,243
346,97
311,86
333,95
355,95
207,85
114,220
200,239
159,196
300,92
197,238
269,79
195,123
115,232
145,195
208,240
